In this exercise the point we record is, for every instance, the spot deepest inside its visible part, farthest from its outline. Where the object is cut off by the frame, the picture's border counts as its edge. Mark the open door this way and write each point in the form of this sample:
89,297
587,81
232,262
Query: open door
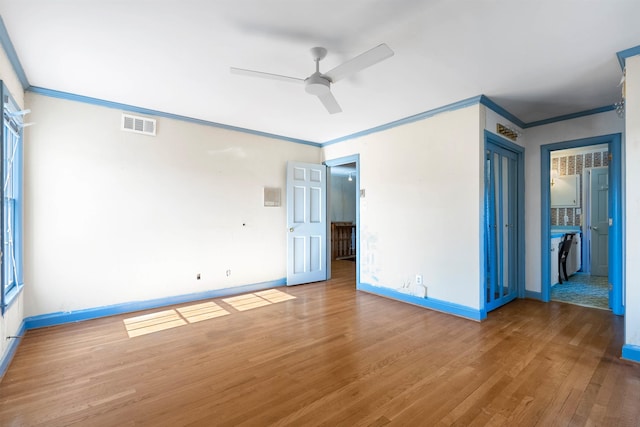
306,223
599,221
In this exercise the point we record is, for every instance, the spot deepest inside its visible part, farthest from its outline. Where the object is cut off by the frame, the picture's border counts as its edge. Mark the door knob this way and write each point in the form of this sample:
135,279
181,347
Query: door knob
291,230
594,227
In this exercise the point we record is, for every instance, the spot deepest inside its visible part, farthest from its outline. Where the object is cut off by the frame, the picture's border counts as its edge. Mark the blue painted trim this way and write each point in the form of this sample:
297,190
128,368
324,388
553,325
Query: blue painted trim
355,158
615,209
504,113
434,304
566,228
12,296
631,352
417,117
116,105
545,227
482,99
6,299
570,116
533,295
7,45
11,350
627,53
519,152
60,318
616,251
3,293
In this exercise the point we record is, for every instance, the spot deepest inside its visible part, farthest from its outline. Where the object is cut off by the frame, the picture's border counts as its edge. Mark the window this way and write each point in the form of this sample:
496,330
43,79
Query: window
11,214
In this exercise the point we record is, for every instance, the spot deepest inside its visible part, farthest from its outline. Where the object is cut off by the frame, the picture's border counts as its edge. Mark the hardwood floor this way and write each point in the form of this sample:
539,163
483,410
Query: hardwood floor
331,356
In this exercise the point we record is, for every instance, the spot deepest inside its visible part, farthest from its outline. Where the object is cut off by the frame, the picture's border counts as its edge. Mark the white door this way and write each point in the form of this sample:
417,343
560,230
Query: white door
306,223
599,226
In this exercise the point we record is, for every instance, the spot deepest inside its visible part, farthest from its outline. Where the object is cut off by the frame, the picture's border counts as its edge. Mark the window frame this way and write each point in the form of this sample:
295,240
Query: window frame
11,161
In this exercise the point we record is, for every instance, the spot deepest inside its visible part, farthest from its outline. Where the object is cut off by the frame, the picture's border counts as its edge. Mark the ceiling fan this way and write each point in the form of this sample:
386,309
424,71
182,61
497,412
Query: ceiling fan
318,83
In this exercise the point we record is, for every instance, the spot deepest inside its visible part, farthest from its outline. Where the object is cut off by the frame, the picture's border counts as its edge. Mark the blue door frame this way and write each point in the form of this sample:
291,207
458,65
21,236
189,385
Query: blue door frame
615,213
492,266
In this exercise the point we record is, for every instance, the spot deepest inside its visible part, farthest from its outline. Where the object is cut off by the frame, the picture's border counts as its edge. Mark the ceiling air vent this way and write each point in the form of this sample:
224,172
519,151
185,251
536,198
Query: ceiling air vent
138,124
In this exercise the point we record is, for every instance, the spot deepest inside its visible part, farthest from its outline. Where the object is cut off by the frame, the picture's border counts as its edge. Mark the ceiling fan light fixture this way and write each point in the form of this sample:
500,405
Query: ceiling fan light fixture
316,85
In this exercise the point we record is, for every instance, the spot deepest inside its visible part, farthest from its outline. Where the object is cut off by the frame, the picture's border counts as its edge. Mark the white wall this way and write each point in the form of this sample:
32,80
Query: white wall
491,120
114,216
632,300
12,319
583,127
422,210
10,79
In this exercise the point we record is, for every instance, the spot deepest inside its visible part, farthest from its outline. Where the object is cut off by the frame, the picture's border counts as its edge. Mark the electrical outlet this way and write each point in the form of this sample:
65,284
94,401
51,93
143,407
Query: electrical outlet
228,273
418,279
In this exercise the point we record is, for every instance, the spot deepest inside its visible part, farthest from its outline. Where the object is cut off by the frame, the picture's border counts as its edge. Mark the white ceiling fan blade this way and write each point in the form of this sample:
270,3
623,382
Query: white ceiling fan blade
360,62
262,75
330,103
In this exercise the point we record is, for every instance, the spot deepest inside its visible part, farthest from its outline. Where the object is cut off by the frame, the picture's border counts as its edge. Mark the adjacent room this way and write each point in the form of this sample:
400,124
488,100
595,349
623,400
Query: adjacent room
393,212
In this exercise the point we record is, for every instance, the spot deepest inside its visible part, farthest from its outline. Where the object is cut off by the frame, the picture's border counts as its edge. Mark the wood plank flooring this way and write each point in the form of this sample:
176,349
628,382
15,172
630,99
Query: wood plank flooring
330,356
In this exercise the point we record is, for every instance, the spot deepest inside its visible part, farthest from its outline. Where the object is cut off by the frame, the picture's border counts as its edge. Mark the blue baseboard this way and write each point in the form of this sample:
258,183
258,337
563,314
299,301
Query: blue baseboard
434,304
533,295
60,318
631,352
11,350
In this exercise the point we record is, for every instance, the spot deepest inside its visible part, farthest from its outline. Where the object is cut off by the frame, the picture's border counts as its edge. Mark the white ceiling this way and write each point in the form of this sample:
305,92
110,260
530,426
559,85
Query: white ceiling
537,59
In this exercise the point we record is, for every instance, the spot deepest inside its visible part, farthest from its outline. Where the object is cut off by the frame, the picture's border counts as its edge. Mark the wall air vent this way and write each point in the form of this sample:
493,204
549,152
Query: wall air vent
138,124
510,133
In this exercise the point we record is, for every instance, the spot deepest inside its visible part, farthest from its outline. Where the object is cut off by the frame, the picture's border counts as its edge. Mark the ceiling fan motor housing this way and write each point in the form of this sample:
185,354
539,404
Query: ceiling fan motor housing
317,85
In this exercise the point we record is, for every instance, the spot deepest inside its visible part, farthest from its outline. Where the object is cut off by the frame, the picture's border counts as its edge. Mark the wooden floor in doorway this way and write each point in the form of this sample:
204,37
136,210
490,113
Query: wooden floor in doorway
326,354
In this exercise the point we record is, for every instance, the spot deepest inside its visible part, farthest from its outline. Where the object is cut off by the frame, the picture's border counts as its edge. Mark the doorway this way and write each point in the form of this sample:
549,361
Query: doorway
343,212
579,212
504,221
581,218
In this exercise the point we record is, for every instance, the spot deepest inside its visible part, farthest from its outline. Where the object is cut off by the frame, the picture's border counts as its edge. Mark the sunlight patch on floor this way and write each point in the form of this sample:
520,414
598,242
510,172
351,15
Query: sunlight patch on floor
274,295
257,299
154,322
199,312
167,319
246,302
